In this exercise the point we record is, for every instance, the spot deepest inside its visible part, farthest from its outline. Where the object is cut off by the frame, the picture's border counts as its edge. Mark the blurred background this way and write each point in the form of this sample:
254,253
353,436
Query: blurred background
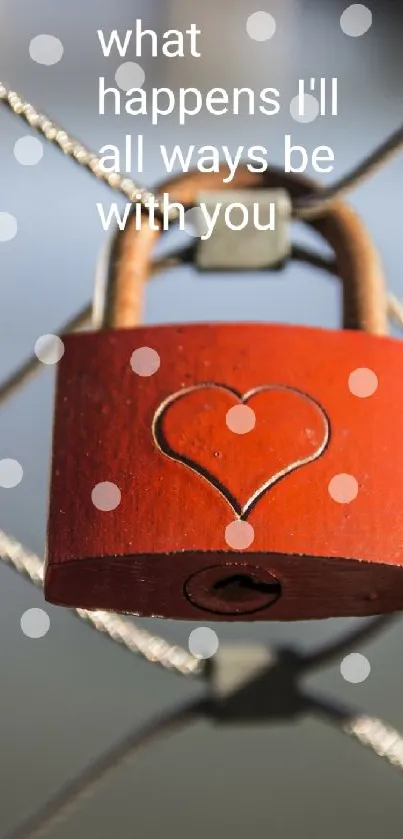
68,696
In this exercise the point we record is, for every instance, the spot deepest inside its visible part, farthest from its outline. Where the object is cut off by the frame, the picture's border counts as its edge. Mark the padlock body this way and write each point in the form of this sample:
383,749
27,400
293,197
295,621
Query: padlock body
169,499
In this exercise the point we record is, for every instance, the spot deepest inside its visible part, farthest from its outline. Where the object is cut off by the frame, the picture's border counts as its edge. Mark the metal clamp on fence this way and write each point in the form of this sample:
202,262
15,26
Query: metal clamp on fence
243,230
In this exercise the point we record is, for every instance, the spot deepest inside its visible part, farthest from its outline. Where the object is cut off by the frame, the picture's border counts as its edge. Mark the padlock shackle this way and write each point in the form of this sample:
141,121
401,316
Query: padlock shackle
357,260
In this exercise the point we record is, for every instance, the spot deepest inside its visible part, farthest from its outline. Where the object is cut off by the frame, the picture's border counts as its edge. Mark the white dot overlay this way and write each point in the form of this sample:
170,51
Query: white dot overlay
35,623
46,49
49,349
106,496
343,488
203,642
261,26
239,535
145,361
356,20
8,227
130,75
355,668
11,473
195,223
363,382
304,109
240,419
28,151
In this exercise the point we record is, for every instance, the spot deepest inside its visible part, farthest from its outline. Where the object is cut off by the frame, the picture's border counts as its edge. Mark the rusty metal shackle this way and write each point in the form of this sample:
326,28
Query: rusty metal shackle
356,258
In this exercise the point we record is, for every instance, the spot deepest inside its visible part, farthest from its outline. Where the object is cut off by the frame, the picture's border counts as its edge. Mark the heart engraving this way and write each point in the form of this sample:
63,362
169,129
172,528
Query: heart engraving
292,430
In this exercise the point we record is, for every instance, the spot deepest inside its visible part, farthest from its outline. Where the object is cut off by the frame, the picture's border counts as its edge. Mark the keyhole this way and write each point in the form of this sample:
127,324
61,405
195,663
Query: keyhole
233,588
242,587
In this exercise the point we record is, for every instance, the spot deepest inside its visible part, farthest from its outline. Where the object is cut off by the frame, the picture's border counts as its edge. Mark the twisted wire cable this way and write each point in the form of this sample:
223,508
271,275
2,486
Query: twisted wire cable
65,803
154,649
74,149
309,206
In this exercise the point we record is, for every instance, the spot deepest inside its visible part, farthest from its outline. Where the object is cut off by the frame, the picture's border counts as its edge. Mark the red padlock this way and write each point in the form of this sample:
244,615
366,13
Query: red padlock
237,471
